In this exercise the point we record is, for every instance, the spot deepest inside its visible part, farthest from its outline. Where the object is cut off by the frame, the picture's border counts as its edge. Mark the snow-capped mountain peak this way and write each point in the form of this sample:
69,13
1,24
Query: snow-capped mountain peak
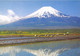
47,11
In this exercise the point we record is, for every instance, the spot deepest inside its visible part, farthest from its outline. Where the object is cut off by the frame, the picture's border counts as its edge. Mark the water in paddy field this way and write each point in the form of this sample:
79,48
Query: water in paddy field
55,48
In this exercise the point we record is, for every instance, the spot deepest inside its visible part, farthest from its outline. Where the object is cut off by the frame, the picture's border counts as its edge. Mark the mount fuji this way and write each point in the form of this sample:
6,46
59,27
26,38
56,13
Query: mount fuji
46,12
45,18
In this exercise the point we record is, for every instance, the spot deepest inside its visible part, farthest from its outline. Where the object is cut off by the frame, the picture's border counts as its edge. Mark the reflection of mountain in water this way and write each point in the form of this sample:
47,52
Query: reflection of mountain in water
46,52
40,52
59,48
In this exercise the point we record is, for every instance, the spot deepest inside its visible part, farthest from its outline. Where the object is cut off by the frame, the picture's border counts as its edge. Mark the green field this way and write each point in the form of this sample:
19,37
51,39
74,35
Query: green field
40,32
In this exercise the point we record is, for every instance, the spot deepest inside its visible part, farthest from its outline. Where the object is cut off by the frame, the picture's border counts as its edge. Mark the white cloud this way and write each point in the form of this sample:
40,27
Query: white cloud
6,19
11,12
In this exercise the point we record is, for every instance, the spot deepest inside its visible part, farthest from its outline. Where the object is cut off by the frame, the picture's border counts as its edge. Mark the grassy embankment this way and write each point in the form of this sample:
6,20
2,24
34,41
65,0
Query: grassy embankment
41,33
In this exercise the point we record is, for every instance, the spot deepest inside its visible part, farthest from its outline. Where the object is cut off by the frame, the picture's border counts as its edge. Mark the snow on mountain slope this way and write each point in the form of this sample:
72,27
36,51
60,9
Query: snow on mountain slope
46,12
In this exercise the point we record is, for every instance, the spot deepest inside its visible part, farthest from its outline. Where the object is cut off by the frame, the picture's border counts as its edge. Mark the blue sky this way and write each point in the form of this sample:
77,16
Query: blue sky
25,7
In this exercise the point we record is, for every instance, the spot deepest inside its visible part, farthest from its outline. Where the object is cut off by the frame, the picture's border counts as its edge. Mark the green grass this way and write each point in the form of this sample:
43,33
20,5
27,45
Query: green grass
38,32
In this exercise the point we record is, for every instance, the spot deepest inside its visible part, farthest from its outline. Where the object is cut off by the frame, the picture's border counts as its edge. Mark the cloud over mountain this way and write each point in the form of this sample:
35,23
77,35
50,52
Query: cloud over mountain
11,12
11,17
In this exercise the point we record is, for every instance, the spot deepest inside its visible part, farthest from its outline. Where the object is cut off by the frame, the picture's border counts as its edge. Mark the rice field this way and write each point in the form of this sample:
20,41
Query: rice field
40,33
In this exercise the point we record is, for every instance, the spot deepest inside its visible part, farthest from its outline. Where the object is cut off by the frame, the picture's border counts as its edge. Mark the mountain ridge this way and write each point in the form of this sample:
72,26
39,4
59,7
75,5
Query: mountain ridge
41,19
